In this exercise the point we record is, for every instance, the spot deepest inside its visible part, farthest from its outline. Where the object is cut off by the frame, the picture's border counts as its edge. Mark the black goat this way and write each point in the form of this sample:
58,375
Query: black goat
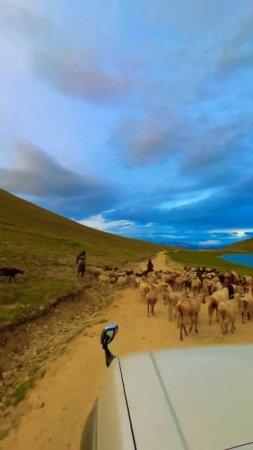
9,272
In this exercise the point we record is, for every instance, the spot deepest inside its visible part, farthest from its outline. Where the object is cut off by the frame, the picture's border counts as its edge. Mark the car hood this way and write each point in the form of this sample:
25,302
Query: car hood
195,399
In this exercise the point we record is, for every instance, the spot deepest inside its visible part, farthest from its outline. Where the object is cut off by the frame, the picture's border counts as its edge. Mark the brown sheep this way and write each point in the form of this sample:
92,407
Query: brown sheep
151,297
188,307
171,298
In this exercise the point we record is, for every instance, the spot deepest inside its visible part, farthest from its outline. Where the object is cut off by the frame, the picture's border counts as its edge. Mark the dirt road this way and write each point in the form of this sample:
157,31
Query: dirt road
53,414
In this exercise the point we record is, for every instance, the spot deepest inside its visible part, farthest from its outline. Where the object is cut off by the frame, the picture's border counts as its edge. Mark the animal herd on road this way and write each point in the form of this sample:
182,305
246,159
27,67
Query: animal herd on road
182,290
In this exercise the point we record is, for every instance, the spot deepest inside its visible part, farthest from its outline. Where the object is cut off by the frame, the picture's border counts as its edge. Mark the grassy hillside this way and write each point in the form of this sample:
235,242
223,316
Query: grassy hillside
245,246
45,246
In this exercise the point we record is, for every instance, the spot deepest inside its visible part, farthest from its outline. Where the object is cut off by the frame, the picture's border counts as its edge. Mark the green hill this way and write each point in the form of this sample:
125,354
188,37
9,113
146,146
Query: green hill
20,219
245,246
45,246
211,258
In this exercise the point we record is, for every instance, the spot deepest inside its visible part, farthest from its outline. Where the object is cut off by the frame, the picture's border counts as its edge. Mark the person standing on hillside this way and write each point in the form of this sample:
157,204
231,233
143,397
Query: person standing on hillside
150,266
81,261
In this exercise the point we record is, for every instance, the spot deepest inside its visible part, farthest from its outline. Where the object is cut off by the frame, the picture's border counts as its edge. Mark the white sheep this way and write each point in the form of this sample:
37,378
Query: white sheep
103,279
246,306
196,285
213,301
95,271
228,310
122,281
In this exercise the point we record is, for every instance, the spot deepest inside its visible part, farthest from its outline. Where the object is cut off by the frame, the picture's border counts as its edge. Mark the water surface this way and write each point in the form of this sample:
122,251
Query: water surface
245,259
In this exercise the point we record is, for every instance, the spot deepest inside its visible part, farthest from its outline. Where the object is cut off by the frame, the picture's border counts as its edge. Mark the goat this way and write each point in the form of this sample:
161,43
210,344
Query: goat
10,272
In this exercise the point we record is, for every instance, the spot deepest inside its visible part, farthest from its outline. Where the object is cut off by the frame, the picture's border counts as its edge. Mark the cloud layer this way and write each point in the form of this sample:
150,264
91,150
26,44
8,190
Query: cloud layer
137,119
38,175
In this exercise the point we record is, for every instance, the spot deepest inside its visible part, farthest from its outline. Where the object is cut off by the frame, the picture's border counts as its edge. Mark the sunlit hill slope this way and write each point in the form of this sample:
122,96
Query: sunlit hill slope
45,245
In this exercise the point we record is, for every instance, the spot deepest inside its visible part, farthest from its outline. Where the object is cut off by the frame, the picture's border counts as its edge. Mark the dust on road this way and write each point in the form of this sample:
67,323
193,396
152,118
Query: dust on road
53,414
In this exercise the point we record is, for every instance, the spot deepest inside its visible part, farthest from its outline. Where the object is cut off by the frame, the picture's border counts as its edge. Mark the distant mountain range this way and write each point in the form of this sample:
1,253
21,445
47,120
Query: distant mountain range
245,246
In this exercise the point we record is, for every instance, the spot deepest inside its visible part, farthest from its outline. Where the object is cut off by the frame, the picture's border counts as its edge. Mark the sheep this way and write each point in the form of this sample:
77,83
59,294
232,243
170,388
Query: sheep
151,298
129,272
103,279
137,281
150,293
196,285
169,279
144,289
216,285
228,310
178,283
112,275
246,305
141,274
95,271
131,280
171,298
228,277
207,285
110,268
211,285
10,272
188,307
219,296
122,281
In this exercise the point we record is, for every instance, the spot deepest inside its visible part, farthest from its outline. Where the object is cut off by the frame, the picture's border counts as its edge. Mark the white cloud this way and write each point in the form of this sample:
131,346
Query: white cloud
100,223
210,242
188,200
239,233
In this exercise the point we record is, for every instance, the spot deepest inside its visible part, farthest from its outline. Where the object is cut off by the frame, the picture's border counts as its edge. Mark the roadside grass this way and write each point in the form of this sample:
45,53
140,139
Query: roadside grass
20,392
209,259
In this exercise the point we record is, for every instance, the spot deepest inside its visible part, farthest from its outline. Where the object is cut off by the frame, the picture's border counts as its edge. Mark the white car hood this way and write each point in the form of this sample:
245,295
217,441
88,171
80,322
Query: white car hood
194,399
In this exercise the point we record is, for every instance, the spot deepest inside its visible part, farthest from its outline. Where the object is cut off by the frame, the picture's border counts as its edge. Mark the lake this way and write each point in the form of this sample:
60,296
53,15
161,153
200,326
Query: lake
245,259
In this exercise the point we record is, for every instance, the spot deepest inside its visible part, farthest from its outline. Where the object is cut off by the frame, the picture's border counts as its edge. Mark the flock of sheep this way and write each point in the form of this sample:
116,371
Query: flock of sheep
225,293
183,291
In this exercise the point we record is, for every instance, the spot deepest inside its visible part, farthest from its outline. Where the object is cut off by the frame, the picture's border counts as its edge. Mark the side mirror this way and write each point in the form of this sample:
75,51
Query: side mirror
107,335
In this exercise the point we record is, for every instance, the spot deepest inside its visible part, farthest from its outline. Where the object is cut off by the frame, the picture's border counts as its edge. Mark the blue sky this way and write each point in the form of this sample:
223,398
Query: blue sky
132,117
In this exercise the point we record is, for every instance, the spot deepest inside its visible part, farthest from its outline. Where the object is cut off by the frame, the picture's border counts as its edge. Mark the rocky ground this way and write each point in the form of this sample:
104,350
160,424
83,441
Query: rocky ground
60,357
26,349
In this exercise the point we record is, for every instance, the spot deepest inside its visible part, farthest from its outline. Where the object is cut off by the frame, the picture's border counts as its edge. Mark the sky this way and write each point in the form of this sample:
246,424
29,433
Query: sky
133,117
